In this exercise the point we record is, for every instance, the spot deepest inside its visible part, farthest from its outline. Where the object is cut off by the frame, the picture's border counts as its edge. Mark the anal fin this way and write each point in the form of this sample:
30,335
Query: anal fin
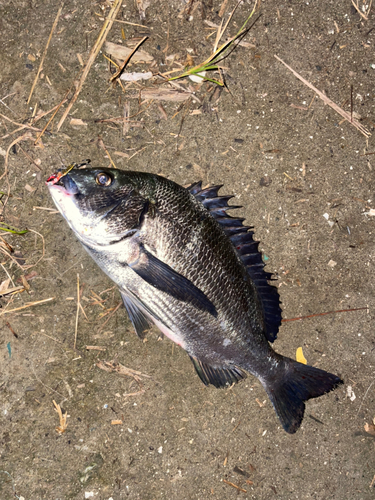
140,322
218,376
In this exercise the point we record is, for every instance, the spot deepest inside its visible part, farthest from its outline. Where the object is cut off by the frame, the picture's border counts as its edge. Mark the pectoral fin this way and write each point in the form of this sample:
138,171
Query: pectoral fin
140,321
164,278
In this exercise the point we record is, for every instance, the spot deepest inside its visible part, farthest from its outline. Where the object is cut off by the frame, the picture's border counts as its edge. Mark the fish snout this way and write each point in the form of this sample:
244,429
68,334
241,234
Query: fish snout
69,184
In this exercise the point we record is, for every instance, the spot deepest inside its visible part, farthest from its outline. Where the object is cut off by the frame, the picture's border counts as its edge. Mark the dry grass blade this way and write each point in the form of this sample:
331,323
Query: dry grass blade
102,145
110,313
222,8
77,313
165,95
45,51
21,125
220,32
328,101
324,314
30,304
122,68
24,137
55,111
43,249
12,291
364,14
120,53
126,124
129,23
9,256
94,52
63,425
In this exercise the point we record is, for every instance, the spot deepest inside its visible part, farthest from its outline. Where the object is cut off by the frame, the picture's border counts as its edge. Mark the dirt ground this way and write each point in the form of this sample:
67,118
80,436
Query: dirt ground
306,183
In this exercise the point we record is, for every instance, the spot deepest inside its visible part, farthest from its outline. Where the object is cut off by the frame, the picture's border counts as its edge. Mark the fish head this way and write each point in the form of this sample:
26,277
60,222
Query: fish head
101,206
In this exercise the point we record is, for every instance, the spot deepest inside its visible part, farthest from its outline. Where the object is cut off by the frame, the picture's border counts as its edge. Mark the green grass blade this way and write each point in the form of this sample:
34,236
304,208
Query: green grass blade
211,63
13,230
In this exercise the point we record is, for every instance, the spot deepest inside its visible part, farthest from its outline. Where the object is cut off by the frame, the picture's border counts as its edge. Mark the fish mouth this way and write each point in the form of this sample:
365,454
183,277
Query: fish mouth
62,181
62,178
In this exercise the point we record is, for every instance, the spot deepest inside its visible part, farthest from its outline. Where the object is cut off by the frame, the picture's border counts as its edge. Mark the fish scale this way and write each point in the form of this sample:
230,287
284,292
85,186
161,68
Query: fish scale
182,263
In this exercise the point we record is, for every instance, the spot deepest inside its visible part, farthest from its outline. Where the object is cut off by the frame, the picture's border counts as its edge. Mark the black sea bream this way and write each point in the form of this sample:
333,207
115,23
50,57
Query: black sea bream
182,263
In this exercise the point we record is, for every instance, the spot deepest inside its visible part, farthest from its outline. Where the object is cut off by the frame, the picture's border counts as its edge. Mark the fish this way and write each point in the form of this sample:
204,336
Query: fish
182,263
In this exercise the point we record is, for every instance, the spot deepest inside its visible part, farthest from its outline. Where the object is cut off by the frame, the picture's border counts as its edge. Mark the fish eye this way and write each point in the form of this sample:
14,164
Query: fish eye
103,179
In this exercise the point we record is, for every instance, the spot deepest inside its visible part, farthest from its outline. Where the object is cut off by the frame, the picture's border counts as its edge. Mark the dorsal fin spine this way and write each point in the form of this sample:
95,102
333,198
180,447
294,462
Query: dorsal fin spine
247,249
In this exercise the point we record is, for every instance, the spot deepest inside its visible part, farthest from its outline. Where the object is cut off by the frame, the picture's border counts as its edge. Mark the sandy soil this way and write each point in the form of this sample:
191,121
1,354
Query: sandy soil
306,184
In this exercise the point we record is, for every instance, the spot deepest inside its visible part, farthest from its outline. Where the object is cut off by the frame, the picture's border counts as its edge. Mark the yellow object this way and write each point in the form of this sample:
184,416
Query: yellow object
300,357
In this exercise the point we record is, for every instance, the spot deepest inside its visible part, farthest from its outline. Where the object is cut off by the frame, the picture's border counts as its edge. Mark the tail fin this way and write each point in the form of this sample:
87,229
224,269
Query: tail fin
293,384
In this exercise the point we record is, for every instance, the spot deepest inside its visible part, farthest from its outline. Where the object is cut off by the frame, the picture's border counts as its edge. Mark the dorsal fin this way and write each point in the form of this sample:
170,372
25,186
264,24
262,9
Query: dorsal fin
247,249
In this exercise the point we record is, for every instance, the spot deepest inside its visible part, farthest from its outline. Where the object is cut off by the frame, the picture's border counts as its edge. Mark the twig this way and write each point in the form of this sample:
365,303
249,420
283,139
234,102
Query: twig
323,314
11,329
110,316
95,348
30,304
30,159
328,101
45,51
94,52
77,314
234,485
